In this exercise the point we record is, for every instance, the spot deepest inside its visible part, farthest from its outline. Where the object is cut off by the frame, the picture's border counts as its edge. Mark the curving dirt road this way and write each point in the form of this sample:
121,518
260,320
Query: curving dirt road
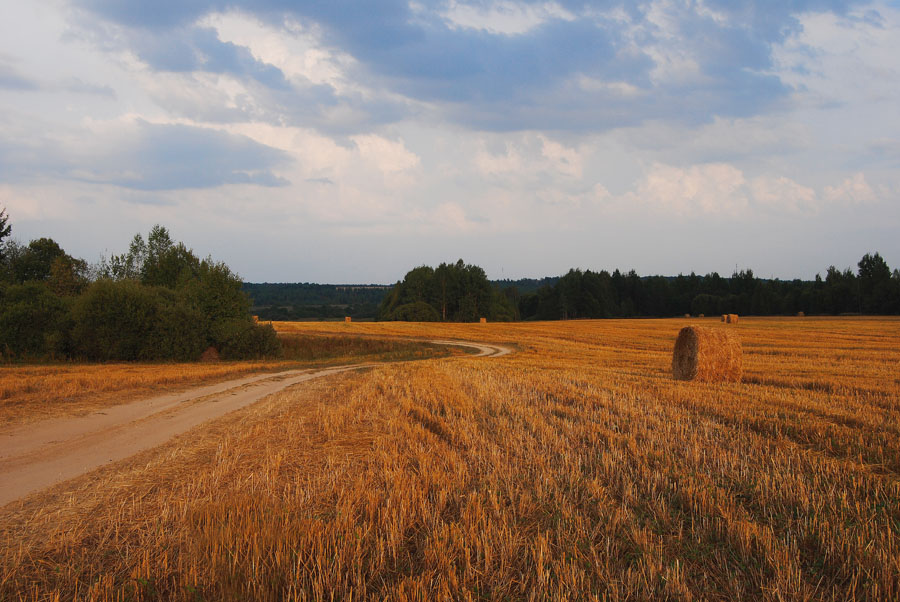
36,456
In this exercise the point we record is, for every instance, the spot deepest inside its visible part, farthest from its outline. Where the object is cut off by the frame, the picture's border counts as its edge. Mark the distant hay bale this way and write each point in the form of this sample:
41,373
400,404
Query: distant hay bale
732,319
687,315
483,321
701,316
725,317
800,314
210,355
255,319
707,355
348,319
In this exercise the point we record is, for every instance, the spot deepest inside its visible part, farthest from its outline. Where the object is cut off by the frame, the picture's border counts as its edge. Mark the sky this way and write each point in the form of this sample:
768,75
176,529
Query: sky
348,142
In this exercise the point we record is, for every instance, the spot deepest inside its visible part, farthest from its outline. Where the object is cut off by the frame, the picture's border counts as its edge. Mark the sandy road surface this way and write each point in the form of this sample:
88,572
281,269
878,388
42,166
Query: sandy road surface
38,455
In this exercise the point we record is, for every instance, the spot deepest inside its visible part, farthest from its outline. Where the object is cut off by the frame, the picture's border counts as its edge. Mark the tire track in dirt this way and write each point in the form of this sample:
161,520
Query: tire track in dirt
38,455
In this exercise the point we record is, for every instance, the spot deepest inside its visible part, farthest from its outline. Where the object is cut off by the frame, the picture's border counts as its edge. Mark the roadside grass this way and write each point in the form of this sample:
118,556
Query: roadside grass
30,392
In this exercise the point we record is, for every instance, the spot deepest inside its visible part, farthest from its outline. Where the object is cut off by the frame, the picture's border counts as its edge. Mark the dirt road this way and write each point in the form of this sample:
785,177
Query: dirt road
39,455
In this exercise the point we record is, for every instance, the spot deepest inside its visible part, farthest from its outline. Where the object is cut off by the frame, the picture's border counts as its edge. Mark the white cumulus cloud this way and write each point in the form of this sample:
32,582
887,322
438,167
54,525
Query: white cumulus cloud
712,188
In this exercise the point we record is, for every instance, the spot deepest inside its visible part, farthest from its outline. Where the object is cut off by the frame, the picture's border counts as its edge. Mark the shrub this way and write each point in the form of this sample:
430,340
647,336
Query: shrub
415,312
32,321
116,320
178,334
242,339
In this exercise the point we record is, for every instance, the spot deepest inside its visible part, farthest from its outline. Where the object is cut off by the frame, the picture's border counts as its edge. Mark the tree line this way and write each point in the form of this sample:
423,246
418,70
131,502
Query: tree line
462,293
156,301
309,301
456,292
872,289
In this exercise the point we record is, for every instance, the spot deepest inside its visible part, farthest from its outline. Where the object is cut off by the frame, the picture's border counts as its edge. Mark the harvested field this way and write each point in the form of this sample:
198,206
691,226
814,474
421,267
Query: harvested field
575,468
33,392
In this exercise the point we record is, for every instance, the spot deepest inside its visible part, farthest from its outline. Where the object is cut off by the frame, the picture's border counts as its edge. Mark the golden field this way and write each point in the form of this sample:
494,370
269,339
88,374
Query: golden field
30,392
574,469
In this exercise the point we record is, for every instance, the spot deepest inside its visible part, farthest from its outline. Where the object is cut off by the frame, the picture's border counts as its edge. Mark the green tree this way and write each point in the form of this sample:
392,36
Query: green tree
876,290
418,311
35,262
32,321
215,291
454,291
68,276
116,320
128,265
5,230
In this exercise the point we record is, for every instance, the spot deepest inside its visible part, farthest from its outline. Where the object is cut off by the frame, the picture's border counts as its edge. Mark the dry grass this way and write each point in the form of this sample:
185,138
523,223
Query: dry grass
574,469
34,392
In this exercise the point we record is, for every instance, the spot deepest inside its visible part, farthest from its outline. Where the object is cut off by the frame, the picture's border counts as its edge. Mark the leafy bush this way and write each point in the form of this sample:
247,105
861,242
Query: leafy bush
242,339
115,320
415,312
32,321
178,333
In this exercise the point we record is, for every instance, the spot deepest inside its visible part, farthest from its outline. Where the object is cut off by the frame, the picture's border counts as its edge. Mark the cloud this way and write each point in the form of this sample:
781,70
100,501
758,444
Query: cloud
11,79
724,190
712,188
145,156
783,193
167,157
504,17
500,65
529,157
78,86
853,190
389,156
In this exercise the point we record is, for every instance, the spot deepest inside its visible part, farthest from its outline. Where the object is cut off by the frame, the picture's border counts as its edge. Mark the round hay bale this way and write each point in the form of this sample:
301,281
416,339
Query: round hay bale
701,316
707,355
210,355
725,317
687,315
801,314
732,318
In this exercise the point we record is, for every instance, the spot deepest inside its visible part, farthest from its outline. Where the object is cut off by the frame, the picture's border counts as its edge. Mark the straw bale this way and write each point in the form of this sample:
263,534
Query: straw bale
800,314
255,319
701,316
348,319
707,355
725,317
210,355
483,320
732,319
687,315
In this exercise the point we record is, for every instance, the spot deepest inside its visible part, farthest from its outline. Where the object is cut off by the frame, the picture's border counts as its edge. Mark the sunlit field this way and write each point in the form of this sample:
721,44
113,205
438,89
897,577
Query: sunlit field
574,468
30,392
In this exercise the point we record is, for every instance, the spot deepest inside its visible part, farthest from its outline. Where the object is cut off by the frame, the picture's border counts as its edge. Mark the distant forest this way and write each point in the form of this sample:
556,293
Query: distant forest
873,288
307,301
